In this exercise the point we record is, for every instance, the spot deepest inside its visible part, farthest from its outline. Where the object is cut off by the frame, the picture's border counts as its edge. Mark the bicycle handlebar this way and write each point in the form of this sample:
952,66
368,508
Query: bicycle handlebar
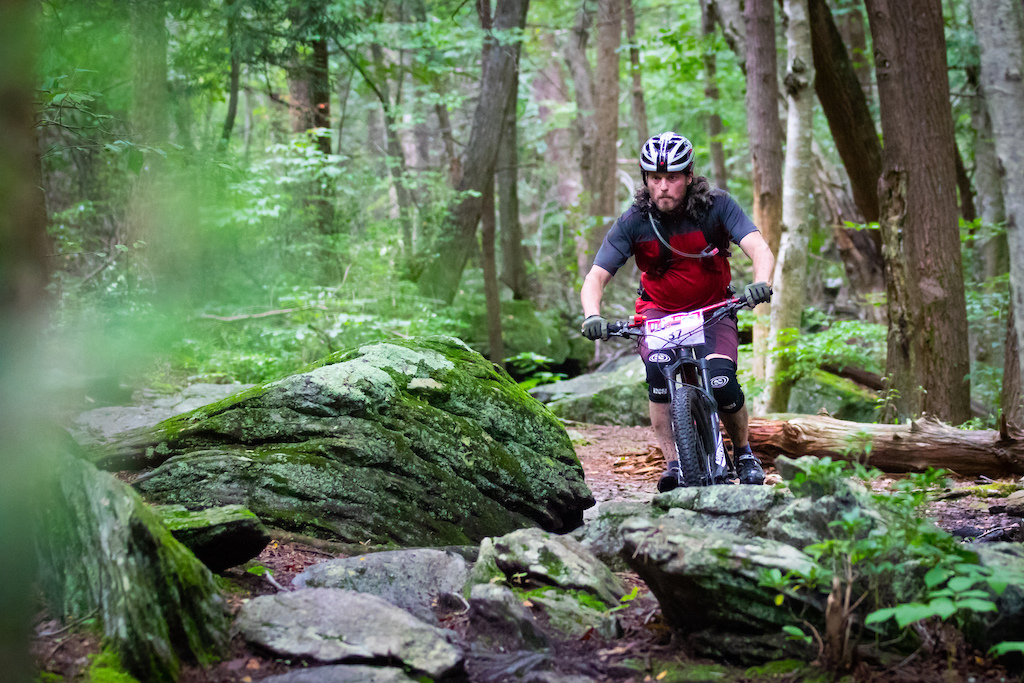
633,327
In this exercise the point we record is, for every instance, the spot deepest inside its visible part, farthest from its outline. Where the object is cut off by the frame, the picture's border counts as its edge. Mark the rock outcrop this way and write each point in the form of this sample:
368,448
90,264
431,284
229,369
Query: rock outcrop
408,443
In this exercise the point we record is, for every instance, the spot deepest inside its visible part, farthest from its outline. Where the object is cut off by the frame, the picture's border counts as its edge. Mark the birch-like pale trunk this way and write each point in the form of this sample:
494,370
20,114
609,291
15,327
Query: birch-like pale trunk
765,144
999,25
790,277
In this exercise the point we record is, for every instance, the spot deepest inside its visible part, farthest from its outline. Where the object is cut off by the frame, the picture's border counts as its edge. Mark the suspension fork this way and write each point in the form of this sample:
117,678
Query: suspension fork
724,466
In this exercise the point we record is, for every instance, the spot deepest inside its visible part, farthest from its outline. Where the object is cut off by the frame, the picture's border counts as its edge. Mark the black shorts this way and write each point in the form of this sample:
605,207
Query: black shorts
721,338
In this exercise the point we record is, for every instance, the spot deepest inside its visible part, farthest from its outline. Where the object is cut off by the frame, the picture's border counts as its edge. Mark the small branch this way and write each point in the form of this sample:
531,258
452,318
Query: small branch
265,314
109,262
272,581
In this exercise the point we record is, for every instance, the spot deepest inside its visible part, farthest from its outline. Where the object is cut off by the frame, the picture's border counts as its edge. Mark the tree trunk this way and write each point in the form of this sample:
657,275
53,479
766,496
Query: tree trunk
765,145
854,37
24,269
513,255
231,9
495,345
440,279
963,186
790,280
1012,396
927,350
730,16
397,165
714,122
846,108
149,56
999,25
103,551
606,114
910,447
995,257
639,106
586,126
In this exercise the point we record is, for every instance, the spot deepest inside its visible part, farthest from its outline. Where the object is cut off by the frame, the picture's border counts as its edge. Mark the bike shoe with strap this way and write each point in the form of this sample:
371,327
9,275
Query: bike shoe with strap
749,469
671,479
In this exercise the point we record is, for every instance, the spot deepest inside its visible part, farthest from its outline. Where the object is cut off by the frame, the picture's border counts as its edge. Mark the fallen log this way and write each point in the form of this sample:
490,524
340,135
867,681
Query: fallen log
912,447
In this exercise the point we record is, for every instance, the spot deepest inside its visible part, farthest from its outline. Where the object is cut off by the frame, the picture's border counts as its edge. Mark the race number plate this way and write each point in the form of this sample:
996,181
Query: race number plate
680,329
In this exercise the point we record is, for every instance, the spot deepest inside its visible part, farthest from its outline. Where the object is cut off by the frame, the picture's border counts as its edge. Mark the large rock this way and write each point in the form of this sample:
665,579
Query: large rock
411,579
220,537
103,553
840,397
335,626
415,443
709,587
616,397
558,576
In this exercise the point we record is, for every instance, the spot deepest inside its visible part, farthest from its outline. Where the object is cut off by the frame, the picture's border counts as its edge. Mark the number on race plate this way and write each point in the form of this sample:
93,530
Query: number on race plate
680,329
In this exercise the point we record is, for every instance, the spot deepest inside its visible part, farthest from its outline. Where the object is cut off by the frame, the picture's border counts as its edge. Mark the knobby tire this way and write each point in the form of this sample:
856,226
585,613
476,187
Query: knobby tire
691,425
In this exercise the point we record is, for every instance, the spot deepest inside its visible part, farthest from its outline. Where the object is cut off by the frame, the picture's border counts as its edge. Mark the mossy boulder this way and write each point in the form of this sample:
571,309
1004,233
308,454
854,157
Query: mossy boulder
418,442
616,397
102,551
842,398
220,537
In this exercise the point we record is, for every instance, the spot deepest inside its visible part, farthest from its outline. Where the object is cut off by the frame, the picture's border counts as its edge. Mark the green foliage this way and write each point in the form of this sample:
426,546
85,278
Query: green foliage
899,567
106,667
835,342
533,368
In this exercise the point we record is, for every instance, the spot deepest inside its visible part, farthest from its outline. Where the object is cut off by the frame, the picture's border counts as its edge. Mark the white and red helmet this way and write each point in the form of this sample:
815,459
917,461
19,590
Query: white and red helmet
666,153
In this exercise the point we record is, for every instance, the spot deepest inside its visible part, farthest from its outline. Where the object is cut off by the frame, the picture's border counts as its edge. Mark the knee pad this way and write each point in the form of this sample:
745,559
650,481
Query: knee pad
657,387
725,386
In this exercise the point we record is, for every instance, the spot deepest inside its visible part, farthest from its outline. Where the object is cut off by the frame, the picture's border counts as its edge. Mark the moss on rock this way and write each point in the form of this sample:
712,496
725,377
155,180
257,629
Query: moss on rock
413,442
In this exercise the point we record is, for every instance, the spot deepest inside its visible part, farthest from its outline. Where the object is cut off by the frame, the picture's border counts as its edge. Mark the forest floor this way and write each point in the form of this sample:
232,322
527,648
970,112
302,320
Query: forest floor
621,463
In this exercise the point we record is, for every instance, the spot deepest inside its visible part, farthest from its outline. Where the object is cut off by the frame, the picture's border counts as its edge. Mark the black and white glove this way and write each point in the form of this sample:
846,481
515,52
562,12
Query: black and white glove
757,293
595,327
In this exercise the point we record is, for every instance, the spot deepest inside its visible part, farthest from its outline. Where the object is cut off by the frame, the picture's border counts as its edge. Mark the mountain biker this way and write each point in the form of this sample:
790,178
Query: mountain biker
678,229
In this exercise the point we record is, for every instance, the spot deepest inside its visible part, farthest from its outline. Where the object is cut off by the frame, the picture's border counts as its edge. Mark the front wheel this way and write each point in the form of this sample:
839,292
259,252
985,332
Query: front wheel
691,428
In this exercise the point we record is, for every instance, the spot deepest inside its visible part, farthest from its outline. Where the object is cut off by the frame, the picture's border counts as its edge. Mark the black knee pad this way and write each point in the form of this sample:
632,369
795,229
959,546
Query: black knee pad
657,386
725,386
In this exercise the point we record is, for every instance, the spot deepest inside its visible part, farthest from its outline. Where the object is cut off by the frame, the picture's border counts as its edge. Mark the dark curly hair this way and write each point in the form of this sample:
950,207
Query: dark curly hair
696,207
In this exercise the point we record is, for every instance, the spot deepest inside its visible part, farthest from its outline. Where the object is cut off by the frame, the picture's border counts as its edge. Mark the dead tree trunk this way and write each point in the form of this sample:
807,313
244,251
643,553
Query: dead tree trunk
639,106
496,347
910,447
714,122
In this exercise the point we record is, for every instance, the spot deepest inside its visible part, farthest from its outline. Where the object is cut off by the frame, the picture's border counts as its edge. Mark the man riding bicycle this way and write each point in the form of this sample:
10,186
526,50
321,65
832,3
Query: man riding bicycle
678,229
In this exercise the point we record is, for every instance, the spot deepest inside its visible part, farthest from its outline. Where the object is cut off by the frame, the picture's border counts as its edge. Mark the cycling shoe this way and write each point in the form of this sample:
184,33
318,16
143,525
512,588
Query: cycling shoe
749,469
671,479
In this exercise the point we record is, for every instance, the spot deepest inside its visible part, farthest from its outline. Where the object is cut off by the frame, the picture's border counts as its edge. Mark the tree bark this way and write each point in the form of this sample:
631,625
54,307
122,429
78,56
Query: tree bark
714,121
1012,395
995,257
440,279
639,106
910,447
999,25
964,190
24,273
851,29
397,165
495,345
790,280
765,145
927,349
103,551
586,126
231,9
513,255
149,54
730,16
846,109
606,116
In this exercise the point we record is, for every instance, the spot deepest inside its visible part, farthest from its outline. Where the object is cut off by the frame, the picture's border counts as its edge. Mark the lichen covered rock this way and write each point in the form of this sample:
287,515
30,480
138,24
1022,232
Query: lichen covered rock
415,443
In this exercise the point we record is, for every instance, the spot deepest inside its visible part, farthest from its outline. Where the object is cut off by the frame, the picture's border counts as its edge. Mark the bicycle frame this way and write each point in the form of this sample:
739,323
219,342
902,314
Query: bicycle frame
684,366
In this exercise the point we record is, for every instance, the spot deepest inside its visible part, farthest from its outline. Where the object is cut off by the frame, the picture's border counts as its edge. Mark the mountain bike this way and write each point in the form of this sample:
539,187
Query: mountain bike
673,341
